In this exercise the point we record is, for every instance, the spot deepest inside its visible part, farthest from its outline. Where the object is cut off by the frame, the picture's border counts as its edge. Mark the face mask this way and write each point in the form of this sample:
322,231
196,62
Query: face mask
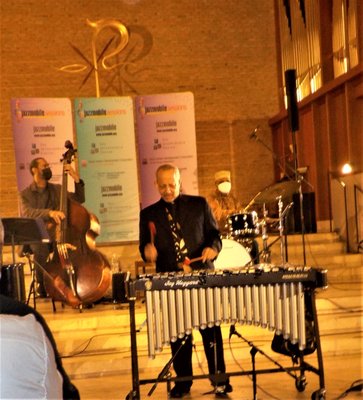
224,187
47,173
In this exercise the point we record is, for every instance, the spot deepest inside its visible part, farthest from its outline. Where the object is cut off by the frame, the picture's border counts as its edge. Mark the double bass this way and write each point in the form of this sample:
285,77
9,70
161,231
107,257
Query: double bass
77,273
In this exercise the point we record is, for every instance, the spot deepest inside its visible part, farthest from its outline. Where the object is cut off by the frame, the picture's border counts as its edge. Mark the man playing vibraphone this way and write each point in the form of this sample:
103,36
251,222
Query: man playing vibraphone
175,229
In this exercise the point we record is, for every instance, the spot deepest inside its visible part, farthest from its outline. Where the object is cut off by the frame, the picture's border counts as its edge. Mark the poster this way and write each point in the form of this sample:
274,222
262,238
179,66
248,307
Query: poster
41,126
166,134
107,160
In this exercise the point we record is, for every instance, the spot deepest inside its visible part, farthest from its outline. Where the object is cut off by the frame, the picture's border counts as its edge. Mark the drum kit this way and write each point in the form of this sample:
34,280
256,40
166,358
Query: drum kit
245,227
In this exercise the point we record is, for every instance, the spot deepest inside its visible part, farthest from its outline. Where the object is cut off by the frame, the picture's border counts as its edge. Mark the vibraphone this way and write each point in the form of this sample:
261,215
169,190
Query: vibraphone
268,296
265,295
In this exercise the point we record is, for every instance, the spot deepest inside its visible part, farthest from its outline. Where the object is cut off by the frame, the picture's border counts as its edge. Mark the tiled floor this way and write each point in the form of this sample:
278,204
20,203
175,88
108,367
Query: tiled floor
340,373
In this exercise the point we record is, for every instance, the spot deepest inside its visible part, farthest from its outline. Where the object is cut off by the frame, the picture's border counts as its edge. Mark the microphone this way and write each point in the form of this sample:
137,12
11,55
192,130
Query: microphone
232,331
253,135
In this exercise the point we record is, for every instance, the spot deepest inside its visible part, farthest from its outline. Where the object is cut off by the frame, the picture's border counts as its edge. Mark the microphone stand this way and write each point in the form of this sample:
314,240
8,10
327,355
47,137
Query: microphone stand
282,215
254,350
165,372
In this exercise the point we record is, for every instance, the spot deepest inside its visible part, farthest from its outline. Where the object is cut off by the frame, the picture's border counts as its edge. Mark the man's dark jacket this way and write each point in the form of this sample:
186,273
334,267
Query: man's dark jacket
198,226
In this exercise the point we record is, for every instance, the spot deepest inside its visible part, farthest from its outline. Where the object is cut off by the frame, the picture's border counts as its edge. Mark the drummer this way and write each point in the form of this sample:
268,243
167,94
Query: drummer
223,203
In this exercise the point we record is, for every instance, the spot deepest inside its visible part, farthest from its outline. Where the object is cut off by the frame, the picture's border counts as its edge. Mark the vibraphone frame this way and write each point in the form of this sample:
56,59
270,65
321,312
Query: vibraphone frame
300,381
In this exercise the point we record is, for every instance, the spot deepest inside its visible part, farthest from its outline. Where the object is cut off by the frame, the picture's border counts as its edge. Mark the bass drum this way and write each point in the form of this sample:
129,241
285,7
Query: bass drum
233,256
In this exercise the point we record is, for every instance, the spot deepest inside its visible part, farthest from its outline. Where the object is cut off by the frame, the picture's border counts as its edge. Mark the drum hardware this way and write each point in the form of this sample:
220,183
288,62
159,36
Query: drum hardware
286,188
247,243
251,203
266,253
251,245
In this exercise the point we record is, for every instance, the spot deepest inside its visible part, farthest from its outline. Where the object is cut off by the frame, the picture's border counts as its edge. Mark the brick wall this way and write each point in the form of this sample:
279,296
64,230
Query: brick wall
221,50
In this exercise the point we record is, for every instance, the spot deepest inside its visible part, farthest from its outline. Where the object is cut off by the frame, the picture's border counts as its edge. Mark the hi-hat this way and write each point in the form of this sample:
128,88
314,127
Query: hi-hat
272,192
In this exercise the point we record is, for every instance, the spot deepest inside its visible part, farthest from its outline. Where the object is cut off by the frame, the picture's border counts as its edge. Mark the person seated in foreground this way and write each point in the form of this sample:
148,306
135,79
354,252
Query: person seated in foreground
31,367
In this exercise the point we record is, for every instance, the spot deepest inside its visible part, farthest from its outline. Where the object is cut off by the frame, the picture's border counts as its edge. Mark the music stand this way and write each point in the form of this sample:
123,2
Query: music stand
21,231
25,231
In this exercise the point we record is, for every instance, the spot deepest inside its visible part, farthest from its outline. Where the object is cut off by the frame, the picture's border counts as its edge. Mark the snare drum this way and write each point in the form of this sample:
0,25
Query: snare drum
233,256
243,224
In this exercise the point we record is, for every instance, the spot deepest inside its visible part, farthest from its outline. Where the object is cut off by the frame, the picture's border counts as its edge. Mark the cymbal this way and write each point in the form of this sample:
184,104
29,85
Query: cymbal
271,193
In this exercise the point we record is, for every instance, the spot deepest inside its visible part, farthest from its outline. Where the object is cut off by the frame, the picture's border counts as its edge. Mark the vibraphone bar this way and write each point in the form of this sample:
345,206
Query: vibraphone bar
265,295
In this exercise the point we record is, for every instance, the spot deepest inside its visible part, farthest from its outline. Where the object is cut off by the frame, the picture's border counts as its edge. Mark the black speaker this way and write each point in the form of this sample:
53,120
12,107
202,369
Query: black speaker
292,110
118,287
12,281
293,221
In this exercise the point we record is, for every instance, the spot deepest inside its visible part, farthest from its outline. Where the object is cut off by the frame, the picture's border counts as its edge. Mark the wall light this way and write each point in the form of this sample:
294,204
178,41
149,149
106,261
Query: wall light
347,169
